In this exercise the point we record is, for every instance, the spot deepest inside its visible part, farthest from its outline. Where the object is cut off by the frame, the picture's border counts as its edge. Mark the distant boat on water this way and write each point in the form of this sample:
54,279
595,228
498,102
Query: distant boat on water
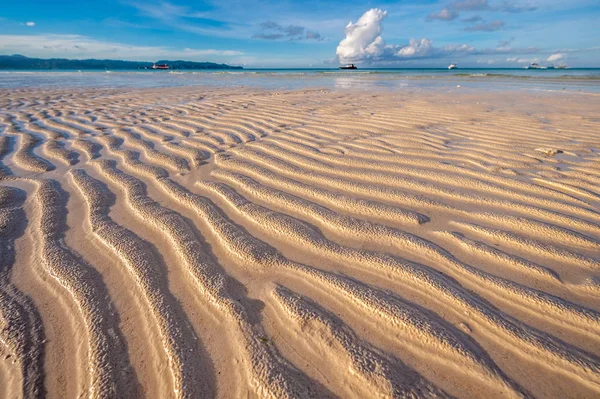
452,66
160,66
535,65
349,66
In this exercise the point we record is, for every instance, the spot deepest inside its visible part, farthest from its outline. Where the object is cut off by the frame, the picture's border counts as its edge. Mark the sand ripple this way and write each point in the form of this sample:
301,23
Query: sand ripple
241,243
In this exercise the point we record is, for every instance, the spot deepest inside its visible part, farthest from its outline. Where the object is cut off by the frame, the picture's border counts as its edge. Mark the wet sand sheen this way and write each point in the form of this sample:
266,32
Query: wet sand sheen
248,243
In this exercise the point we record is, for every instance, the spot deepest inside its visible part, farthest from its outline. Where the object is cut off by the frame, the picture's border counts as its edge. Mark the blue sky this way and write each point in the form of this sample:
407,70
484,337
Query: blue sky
287,33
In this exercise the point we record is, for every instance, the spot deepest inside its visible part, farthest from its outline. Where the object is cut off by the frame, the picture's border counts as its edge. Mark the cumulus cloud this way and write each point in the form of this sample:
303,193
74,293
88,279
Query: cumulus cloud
271,30
556,57
444,15
30,23
486,27
416,48
77,46
363,42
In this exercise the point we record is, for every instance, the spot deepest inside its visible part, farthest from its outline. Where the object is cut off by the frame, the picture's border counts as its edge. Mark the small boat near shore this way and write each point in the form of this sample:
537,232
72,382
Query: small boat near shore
160,66
349,66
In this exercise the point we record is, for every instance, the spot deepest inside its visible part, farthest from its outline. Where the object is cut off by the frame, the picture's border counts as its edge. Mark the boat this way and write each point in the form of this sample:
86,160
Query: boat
533,65
561,66
349,66
452,66
160,66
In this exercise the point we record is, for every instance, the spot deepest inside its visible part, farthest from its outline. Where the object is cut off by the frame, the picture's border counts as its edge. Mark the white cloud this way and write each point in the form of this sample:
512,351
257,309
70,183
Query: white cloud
416,47
459,48
522,60
363,38
76,46
30,23
363,42
527,60
556,57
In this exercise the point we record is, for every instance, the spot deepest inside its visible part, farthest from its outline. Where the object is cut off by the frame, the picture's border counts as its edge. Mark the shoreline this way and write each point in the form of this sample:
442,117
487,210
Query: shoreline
299,79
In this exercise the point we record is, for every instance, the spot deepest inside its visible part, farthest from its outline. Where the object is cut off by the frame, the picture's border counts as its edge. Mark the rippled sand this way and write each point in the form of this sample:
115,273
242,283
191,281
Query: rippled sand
243,243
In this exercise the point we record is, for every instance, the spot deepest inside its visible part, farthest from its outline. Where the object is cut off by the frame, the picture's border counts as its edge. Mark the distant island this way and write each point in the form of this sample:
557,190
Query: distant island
21,62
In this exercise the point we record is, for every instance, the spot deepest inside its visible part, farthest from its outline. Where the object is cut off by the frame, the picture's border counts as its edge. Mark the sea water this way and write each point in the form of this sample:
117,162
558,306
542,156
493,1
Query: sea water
576,79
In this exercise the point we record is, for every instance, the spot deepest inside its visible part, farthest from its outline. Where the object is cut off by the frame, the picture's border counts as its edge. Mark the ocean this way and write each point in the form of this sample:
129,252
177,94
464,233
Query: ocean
575,79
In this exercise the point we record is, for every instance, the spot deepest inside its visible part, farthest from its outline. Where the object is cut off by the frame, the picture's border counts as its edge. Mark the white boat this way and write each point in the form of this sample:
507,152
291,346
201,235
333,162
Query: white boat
533,65
452,66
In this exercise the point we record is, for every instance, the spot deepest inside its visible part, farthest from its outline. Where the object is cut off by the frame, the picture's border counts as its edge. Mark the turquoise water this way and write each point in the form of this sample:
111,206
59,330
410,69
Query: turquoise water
577,79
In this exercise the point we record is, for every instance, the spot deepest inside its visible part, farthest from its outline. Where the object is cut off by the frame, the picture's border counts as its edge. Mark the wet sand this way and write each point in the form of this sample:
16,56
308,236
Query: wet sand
202,242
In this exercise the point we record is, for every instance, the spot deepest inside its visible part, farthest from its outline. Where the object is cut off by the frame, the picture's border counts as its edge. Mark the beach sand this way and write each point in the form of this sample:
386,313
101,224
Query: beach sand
193,242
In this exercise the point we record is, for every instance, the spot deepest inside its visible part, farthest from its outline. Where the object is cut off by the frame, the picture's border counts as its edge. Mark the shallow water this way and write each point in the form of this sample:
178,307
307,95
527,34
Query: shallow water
587,80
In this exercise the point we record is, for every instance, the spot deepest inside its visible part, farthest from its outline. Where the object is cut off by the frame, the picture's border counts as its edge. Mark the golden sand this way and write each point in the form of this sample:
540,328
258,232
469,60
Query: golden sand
197,242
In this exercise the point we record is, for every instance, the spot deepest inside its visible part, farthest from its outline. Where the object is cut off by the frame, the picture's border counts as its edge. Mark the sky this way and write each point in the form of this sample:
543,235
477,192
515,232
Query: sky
309,34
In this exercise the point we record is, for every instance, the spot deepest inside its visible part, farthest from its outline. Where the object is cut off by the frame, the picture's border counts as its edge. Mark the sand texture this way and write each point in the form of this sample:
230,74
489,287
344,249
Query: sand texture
193,242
